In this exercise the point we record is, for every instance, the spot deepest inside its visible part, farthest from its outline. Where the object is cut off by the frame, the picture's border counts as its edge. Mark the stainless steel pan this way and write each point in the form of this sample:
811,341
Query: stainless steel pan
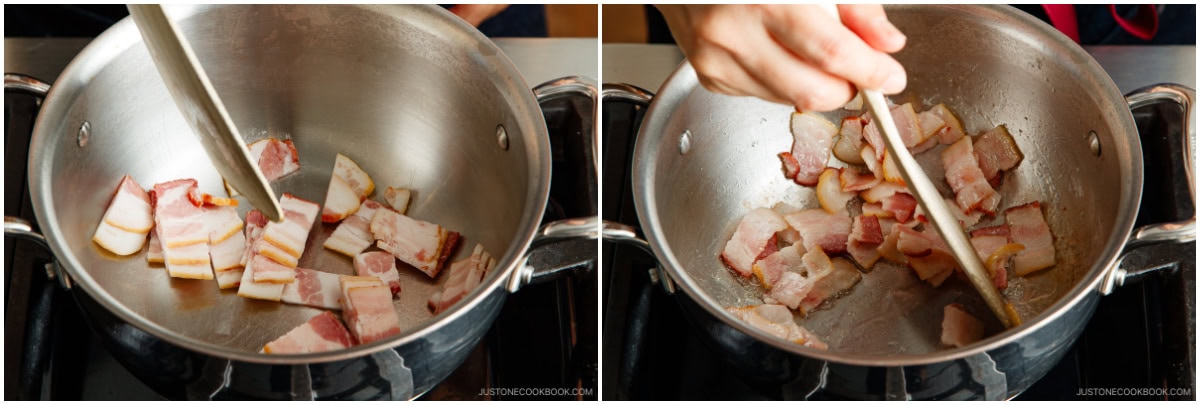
703,160
417,97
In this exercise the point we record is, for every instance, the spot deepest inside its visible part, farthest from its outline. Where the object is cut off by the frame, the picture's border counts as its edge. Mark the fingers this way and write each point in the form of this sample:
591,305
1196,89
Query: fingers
790,78
872,25
812,35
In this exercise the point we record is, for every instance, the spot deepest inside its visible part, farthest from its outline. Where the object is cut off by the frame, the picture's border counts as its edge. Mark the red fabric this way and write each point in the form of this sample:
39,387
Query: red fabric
1062,17
1143,25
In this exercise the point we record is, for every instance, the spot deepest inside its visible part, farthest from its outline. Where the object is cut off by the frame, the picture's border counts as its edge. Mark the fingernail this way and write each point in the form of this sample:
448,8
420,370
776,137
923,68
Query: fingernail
895,83
890,30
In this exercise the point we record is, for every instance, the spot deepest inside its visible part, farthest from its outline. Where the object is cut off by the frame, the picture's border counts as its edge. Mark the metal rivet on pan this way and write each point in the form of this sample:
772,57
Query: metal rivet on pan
685,142
85,132
1094,142
502,137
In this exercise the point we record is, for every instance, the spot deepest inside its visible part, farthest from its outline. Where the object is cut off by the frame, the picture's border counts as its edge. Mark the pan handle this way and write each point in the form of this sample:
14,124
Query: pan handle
627,93
20,228
26,84
559,248
1132,266
627,235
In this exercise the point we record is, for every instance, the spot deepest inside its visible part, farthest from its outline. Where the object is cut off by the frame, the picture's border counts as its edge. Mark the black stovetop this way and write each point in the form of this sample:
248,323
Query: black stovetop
1141,336
51,354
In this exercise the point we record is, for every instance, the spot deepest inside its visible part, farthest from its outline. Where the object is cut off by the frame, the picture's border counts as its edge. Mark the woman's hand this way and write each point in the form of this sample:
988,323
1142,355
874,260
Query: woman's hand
791,54
476,14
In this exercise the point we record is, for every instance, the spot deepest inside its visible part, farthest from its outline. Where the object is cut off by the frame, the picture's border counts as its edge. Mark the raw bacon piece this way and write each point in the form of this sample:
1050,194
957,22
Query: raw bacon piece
853,180
398,198
379,264
369,313
891,172
355,177
908,125
931,123
819,228
284,241
816,264
127,220
874,140
464,276
182,230
154,253
227,245
865,238
791,167
959,328
777,321
755,234
255,222
999,230
275,158
962,173
1028,227
953,130
341,201
996,151
881,191
965,220
423,245
790,289
850,141
353,235
901,205
933,268
916,244
840,279
263,291
829,192
876,210
772,267
812,140
315,289
268,271
322,333
888,249
985,245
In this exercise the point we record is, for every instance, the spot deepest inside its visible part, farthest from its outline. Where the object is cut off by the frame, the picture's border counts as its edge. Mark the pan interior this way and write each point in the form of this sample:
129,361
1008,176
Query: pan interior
409,96
989,74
